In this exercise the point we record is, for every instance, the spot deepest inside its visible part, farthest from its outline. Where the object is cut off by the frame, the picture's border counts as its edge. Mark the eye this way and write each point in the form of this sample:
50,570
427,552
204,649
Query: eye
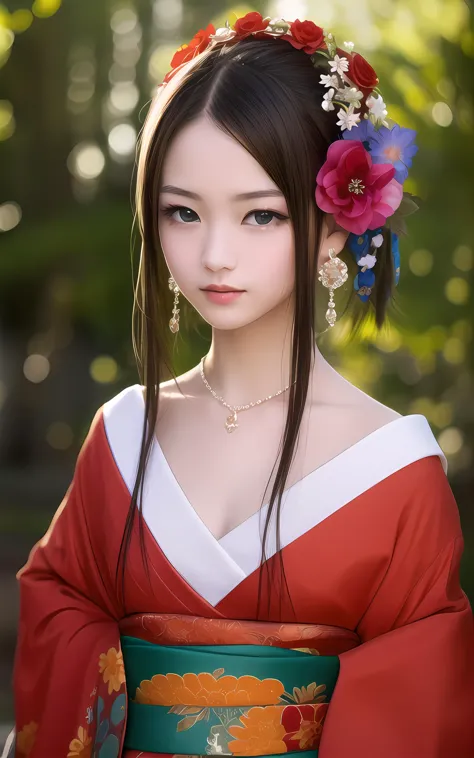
266,217
184,216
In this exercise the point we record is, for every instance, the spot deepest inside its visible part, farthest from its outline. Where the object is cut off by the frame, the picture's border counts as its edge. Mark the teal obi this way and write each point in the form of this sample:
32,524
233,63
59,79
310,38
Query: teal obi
225,699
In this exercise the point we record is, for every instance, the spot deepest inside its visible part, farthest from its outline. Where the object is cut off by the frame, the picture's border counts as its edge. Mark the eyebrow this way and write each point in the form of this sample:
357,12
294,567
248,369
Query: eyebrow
242,196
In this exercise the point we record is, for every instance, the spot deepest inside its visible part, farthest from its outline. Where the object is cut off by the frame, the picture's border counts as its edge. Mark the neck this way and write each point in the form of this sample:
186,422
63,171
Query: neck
246,364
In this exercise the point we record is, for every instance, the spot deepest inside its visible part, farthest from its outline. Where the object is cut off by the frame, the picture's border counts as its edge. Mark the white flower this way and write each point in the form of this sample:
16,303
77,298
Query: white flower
223,34
346,80
350,95
278,26
377,107
327,103
377,241
349,46
339,65
347,119
329,80
368,260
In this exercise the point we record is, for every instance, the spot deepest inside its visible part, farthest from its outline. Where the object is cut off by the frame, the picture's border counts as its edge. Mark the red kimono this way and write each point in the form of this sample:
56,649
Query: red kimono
371,543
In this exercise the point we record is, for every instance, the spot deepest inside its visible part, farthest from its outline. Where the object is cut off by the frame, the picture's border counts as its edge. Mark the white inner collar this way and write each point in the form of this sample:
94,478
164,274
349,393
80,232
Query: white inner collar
215,567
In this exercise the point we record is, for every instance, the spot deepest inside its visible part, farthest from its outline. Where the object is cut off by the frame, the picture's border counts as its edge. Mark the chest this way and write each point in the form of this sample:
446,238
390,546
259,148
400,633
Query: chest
222,475
226,477
216,543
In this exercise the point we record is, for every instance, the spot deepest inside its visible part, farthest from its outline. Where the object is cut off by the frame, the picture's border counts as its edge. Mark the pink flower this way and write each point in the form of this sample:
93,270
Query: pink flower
361,195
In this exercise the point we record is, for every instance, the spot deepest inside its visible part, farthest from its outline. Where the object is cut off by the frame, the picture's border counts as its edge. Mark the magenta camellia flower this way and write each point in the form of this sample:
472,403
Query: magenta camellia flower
361,195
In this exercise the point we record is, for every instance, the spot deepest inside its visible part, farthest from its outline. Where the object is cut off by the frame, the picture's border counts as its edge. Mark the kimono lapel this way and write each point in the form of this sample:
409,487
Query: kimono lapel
333,485
214,568
180,534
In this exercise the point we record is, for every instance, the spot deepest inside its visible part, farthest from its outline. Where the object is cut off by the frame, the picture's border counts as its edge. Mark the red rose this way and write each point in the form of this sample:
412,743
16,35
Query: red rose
250,23
362,74
198,43
306,36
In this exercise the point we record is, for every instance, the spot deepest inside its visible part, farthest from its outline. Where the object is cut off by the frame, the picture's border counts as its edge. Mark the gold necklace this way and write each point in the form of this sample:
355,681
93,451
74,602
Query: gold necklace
231,421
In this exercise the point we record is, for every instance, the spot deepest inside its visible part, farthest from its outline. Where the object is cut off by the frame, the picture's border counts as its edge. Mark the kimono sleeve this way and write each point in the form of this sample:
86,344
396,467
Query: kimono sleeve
69,682
408,689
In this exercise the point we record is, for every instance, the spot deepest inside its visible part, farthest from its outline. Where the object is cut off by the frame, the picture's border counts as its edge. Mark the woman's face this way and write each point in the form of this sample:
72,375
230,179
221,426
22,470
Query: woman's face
216,230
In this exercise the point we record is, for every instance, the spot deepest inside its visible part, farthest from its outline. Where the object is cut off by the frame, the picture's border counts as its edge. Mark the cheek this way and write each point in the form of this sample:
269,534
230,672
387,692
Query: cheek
272,262
168,240
178,246
264,259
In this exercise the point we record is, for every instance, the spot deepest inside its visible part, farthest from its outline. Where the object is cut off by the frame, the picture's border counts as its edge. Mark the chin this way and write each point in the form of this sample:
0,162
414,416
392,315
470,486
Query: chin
226,323
221,317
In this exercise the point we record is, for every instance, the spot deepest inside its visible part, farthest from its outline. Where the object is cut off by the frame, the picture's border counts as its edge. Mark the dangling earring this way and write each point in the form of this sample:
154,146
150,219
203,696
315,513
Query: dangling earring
333,274
174,321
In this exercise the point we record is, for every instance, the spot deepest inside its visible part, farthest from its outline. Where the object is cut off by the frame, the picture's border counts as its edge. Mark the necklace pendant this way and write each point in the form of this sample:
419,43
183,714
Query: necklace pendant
231,422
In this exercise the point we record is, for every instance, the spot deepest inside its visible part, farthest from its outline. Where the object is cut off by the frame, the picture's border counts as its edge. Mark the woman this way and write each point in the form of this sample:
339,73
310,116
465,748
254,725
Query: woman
164,612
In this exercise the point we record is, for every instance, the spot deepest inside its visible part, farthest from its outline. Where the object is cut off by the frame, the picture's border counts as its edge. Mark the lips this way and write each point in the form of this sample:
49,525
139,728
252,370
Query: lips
223,289
222,297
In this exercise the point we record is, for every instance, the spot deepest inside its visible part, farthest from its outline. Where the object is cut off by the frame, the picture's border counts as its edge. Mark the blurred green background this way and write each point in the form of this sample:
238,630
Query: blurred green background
76,80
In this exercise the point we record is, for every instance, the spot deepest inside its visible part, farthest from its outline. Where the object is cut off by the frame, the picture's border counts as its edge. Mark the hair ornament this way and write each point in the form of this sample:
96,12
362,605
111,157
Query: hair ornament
361,181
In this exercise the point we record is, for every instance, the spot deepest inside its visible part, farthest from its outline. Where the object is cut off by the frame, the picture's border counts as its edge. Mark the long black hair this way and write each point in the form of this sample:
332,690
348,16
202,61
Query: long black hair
267,95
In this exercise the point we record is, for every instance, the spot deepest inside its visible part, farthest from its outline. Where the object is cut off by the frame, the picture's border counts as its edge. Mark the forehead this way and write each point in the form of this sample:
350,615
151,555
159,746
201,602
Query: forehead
202,157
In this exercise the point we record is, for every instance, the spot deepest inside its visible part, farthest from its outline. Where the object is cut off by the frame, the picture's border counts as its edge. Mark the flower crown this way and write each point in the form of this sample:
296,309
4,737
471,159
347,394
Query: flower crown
361,181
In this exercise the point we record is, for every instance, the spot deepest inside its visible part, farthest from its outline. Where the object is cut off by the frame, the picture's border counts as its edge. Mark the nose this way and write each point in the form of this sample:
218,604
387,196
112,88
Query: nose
217,248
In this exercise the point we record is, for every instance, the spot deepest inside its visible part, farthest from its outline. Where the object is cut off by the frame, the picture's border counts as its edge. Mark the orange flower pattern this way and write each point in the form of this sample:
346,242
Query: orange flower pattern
254,716
25,738
307,734
278,730
261,733
112,668
104,714
208,690
80,746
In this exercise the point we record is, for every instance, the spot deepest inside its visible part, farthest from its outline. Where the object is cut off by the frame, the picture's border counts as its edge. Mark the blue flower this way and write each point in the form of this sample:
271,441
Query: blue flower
362,132
395,146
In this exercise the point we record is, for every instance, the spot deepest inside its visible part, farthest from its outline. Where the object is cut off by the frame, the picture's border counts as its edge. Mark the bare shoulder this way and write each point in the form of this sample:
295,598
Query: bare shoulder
347,413
376,413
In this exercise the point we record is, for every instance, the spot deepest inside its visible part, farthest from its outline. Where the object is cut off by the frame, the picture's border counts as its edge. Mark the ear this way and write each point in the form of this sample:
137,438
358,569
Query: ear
333,236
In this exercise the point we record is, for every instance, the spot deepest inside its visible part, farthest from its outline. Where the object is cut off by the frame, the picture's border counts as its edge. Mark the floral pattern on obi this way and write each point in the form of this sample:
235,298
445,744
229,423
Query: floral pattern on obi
178,629
277,730
255,716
